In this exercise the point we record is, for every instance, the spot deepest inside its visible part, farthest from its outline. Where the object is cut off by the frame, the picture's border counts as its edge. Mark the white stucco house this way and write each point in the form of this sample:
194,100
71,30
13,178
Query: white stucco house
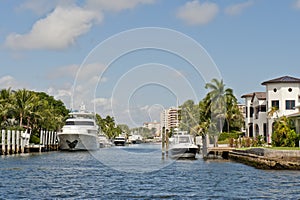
256,114
283,93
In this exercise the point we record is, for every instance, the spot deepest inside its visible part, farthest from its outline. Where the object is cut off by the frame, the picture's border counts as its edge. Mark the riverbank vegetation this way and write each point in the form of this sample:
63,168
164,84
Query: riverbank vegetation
35,111
24,109
216,113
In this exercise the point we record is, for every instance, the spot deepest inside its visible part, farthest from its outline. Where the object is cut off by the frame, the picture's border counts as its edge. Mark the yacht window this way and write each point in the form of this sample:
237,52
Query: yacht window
80,123
184,140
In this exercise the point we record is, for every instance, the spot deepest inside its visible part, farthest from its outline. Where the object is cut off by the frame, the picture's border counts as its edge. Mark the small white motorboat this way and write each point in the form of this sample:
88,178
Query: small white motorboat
181,145
120,141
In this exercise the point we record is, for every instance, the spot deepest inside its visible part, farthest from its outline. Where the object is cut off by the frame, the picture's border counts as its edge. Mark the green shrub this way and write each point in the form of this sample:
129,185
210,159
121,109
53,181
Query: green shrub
34,139
235,135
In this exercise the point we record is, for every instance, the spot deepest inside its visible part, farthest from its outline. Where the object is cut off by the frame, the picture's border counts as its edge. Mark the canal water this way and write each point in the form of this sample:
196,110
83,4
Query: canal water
138,172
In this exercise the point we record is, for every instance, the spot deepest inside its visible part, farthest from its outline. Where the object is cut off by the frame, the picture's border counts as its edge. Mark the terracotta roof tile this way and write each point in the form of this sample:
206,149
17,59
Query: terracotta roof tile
283,79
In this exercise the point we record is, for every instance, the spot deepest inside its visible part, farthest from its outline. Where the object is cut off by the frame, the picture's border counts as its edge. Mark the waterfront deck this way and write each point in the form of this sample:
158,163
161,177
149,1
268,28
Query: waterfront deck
218,152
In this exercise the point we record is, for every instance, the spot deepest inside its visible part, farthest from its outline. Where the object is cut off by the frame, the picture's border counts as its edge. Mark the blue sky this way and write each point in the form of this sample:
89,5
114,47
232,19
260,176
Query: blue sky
43,43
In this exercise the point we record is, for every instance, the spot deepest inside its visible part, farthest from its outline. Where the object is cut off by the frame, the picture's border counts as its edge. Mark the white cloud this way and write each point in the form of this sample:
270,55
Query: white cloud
115,5
64,94
10,82
63,72
81,73
65,23
42,7
59,93
297,4
103,104
89,70
238,8
58,30
194,13
85,79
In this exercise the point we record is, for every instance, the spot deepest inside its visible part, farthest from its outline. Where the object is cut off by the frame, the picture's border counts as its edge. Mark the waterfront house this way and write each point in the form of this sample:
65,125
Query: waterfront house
255,119
282,93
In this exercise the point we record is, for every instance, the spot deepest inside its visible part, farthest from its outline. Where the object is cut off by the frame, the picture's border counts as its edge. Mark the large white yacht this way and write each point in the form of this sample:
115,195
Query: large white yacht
80,132
182,146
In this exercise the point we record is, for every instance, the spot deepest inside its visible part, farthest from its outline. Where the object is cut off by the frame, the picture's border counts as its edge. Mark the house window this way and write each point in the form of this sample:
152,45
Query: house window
290,104
263,108
275,103
251,111
275,90
290,89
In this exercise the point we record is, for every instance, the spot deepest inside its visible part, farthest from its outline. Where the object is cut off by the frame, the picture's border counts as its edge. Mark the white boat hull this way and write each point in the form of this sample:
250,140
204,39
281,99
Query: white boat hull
75,141
183,152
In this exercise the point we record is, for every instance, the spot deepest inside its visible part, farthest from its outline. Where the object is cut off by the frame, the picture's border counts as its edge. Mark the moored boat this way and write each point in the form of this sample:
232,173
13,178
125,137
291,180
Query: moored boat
104,141
120,141
135,139
182,146
80,132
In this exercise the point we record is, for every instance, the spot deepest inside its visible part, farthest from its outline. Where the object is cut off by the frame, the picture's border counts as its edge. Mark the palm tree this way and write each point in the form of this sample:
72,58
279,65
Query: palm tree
234,117
24,102
189,116
5,103
219,98
108,126
273,110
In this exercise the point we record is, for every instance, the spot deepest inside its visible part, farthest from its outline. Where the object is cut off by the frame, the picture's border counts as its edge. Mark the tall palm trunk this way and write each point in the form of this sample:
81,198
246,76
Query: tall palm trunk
21,120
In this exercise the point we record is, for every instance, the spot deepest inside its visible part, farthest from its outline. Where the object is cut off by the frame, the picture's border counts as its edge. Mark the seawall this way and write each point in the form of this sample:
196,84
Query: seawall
262,158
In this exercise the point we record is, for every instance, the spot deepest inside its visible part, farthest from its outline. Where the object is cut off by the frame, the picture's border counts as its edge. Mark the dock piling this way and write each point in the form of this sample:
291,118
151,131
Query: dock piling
13,142
8,141
3,141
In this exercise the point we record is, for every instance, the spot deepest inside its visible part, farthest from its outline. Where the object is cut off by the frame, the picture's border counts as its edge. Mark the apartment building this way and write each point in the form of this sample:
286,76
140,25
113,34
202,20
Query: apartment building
169,118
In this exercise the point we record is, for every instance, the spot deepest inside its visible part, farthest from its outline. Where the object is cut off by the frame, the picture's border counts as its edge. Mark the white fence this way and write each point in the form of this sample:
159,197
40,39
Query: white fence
14,141
48,140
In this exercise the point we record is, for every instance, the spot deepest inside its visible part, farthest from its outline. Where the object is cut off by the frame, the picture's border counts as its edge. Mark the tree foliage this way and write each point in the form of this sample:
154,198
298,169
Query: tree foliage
284,135
31,110
217,108
144,132
189,116
34,110
108,126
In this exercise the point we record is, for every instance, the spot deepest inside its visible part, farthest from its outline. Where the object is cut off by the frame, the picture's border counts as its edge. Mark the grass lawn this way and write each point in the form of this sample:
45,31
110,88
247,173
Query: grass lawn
273,148
284,148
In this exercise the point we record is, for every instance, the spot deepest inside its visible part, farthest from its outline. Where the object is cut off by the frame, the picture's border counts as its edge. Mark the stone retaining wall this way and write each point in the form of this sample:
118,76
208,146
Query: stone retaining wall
267,159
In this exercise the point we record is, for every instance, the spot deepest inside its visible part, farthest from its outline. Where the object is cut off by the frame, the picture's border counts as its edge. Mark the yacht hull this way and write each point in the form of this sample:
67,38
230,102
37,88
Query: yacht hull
183,152
76,141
